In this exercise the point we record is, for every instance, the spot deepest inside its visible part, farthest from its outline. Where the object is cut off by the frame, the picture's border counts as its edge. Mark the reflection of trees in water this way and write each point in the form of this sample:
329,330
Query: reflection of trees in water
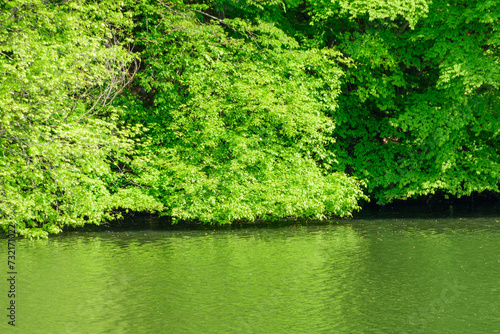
390,276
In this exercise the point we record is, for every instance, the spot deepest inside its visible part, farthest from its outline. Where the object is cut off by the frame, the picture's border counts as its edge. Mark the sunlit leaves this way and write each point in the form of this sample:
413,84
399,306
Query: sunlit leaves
61,142
418,108
241,113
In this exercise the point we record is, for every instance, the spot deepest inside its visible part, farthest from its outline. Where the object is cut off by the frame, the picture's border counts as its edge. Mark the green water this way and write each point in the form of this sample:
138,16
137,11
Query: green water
359,276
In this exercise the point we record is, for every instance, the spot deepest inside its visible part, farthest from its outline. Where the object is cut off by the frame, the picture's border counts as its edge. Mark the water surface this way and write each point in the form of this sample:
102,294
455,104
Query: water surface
360,276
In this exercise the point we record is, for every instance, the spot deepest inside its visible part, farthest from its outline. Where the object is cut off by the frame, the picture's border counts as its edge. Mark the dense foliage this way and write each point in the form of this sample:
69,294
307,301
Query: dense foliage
238,122
420,111
61,140
219,111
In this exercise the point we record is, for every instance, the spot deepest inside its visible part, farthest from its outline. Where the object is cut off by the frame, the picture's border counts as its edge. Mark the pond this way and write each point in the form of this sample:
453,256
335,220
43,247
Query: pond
382,275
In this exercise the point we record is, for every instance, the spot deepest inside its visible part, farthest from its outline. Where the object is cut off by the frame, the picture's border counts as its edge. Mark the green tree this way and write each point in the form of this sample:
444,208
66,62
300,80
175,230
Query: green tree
236,119
242,110
61,142
419,111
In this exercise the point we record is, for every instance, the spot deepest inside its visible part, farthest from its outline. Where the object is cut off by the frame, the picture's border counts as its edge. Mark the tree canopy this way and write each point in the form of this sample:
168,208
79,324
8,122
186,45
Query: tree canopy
219,111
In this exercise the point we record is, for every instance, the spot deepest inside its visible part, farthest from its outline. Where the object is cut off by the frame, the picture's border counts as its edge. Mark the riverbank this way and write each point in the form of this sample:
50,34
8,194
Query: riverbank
437,208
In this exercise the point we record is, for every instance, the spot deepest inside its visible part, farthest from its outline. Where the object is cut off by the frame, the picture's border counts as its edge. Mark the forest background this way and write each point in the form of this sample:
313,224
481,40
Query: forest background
237,110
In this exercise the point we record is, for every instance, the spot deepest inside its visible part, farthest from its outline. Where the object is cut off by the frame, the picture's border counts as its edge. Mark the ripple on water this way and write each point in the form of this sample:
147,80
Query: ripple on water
377,276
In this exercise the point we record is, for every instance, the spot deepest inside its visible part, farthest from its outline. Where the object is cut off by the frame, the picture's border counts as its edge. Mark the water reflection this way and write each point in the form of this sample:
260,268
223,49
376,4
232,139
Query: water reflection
377,276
